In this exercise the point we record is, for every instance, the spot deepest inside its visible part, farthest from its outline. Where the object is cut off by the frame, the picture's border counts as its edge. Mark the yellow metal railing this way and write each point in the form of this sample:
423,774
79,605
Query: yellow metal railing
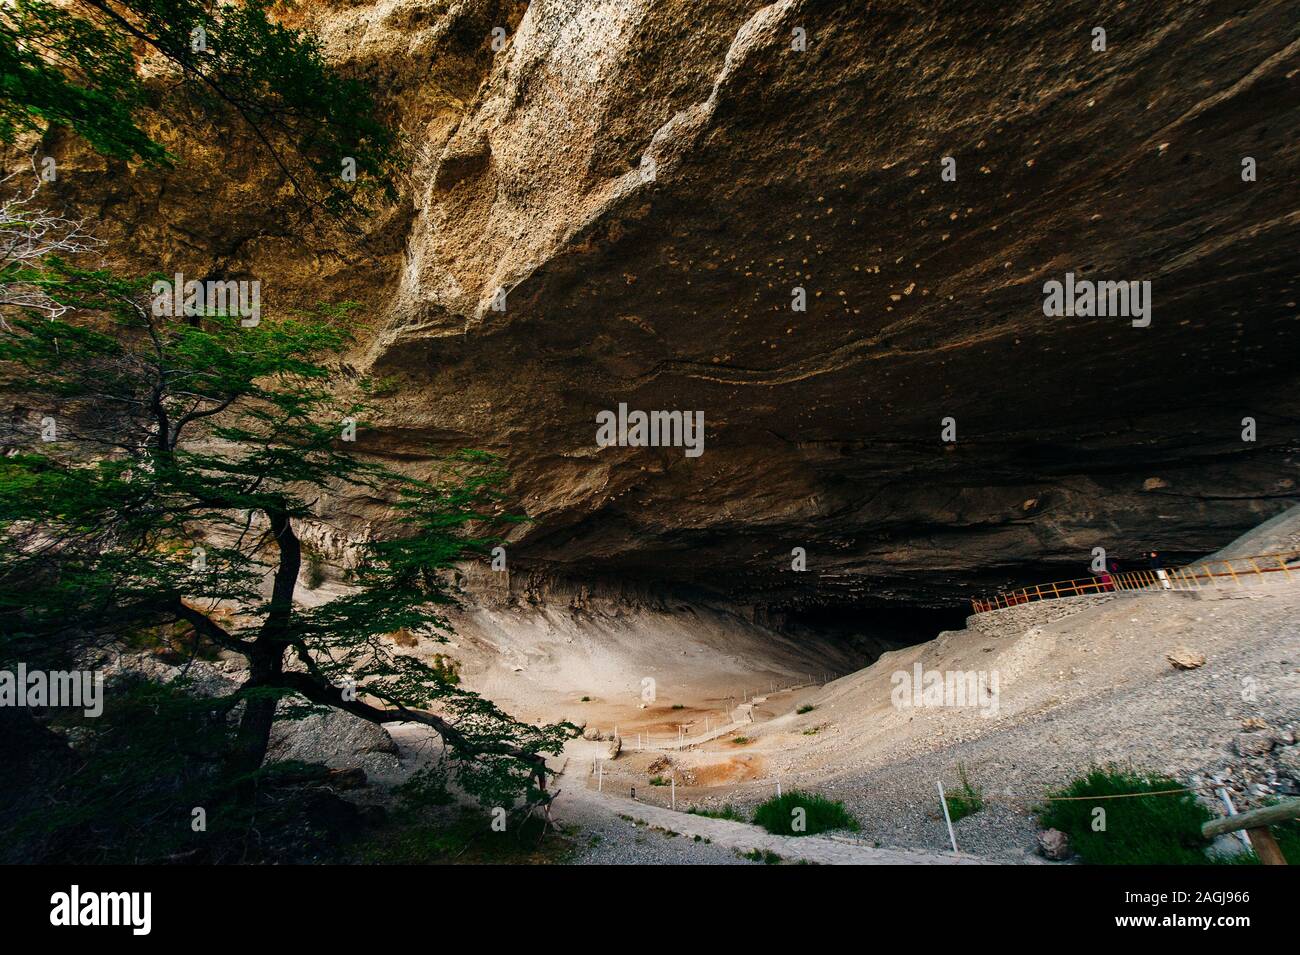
1191,577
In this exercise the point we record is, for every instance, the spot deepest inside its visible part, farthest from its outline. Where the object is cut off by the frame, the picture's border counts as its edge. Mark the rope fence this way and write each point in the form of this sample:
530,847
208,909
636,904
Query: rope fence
650,794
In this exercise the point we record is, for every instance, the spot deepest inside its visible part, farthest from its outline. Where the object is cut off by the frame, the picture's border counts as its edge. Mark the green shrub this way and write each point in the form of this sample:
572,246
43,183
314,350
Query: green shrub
806,708
1152,830
464,837
777,815
658,781
741,740
966,801
315,569
726,812
763,856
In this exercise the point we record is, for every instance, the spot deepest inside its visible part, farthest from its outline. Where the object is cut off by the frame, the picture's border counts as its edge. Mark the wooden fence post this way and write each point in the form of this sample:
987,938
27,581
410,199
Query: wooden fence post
1256,823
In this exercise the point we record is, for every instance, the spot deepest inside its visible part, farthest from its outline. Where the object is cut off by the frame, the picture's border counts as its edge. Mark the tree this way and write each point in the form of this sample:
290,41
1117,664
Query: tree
29,235
74,65
160,475
156,468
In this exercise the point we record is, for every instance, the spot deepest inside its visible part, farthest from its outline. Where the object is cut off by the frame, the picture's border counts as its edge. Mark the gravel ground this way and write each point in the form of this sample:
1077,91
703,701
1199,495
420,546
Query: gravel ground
606,839
1088,690
1180,723
1093,688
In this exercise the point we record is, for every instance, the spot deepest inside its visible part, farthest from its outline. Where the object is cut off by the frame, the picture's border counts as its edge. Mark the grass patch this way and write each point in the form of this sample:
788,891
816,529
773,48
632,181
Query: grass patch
778,816
1152,830
741,740
966,801
446,669
726,812
1287,835
315,569
760,855
679,706
658,781
806,708
466,839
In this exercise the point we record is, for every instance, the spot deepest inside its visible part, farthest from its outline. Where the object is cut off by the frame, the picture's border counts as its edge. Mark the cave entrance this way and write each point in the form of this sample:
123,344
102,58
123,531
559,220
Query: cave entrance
872,629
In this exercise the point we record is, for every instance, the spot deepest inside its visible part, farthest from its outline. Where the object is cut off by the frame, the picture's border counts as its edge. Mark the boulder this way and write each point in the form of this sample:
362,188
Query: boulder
337,740
1054,844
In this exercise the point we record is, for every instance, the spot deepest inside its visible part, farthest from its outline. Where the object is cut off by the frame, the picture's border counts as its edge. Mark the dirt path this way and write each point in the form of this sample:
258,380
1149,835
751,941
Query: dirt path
580,806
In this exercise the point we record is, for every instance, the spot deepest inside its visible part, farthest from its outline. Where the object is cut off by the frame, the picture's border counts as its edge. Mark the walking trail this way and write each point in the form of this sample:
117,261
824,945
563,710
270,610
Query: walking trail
584,807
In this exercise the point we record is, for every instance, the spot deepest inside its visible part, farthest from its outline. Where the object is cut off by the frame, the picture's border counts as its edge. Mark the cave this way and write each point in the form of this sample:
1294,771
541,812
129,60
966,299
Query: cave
781,336
875,626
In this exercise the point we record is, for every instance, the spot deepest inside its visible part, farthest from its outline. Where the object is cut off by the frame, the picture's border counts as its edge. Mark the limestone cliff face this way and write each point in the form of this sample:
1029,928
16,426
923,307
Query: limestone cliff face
647,182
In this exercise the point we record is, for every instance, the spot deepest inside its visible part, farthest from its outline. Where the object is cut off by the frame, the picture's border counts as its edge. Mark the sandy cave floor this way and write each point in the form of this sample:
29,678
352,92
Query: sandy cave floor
1091,688
1094,687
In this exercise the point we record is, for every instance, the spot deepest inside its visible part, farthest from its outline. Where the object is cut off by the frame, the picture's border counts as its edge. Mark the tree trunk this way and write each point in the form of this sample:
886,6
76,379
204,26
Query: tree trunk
266,662
254,734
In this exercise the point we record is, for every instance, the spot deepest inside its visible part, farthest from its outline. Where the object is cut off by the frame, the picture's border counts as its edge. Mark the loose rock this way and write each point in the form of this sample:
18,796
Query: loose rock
1253,744
1184,658
1054,844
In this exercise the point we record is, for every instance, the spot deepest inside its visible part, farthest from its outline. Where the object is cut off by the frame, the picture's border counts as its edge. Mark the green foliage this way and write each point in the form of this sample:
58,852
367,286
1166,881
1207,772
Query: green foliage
74,66
139,771
120,486
427,787
134,775
59,68
464,838
445,669
966,801
315,569
658,781
764,856
1150,830
806,708
187,437
741,740
1287,835
821,814
726,812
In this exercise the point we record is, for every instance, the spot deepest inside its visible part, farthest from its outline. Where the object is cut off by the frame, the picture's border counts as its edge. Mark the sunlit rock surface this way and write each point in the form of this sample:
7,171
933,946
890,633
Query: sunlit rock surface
647,182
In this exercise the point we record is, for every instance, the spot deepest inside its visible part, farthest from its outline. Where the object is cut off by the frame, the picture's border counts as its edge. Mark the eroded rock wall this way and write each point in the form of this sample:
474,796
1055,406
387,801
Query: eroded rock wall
646,182
775,168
